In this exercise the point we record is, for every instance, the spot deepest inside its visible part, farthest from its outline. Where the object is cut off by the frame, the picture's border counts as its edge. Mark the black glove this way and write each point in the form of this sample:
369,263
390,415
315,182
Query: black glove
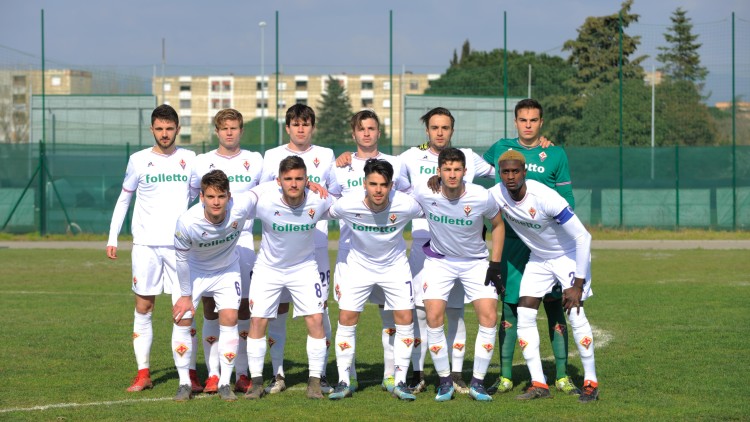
494,278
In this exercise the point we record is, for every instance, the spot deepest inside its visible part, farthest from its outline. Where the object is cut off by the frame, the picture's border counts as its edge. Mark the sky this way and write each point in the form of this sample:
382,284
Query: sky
333,36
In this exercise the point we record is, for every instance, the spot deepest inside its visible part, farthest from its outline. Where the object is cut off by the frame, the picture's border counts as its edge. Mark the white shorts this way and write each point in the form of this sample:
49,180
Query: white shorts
542,275
440,274
154,269
355,282
246,249
456,299
324,274
301,281
224,287
377,296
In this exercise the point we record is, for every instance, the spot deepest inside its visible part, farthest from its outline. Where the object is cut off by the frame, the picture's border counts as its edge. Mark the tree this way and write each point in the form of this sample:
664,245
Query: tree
14,123
681,59
335,110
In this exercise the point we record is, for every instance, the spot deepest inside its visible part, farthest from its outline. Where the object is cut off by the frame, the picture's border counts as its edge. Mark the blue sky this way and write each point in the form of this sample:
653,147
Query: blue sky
335,36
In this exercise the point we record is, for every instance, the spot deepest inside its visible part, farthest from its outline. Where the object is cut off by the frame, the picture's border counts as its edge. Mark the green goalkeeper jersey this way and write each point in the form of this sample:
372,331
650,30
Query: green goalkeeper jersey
545,165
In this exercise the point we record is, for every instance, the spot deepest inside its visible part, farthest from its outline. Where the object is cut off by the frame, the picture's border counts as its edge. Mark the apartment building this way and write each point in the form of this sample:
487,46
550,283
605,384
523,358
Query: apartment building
198,98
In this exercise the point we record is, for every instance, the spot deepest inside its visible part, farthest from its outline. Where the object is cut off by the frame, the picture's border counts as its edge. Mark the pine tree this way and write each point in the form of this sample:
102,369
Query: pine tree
335,110
680,58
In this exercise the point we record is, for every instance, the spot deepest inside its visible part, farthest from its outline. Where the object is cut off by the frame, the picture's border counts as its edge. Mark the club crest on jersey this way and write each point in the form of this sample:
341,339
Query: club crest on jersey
271,341
532,212
459,346
316,162
586,342
389,331
277,214
181,349
183,164
244,334
246,164
311,213
392,218
230,356
542,156
408,341
344,345
488,347
211,339
523,343
235,224
435,349
150,164
467,210
560,328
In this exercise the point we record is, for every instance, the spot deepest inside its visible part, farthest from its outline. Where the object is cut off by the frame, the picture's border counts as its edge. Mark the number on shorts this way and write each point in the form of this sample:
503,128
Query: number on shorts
411,293
238,288
325,277
318,290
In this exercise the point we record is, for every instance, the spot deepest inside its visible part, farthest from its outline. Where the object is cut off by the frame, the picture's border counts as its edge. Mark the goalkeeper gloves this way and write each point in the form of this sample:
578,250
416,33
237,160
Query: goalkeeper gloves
495,279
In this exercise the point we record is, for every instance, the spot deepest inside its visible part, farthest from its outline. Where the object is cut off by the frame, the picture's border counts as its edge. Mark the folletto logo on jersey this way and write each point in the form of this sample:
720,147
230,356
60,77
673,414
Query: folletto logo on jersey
452,221
292,227
161,177
229,238
373,229
523,223
428,170
352,183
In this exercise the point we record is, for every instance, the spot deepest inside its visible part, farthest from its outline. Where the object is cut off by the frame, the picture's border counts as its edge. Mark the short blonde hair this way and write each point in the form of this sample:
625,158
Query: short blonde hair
512,155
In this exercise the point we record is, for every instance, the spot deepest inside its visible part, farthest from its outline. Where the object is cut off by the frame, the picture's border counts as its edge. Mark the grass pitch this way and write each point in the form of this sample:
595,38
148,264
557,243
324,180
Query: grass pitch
670,332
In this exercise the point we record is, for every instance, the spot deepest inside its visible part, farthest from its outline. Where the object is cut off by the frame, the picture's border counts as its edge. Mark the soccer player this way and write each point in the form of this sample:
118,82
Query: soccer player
300,126
365,126
548,165
208,264
560,254
377,257
457,252
286,261
243,169
160,176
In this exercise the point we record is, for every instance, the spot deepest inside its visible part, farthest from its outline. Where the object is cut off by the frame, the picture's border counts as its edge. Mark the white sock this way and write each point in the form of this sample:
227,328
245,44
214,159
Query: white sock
419,351
240,362
256,354
211,345
316,354
346,340
277,342
194,343
439,350
528,339
181,351
402,345
387,338
329,336
229,338
456,337
483,350
585,342
143,335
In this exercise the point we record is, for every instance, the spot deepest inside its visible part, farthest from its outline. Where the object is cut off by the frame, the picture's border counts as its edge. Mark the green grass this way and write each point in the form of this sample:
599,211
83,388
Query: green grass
672,344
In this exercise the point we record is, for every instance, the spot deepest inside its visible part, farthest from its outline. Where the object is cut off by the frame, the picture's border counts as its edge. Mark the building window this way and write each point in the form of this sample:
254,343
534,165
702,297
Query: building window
19,98
56,81
19,80
386,103
184,103
215,86
184,139
261,86
184,88
226,103
167,86
185,121
215,103
300,86
366,102
387,85
368,85
414,85
261,103
227,86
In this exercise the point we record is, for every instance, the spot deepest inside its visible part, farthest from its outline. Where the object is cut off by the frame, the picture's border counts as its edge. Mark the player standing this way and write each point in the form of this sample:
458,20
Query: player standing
243,169
457,252
377,257
160,176
286,261
208,264
548,165
560,254
300,126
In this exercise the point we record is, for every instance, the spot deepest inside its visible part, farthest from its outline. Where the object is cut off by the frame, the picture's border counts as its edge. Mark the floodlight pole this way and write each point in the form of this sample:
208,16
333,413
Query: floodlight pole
262,26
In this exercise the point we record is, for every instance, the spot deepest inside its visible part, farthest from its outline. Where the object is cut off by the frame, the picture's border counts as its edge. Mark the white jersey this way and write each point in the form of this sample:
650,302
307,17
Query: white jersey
377,239
538,218
422,164
351,179
456,225
287,232
162,187
243,170
320,163
208,247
